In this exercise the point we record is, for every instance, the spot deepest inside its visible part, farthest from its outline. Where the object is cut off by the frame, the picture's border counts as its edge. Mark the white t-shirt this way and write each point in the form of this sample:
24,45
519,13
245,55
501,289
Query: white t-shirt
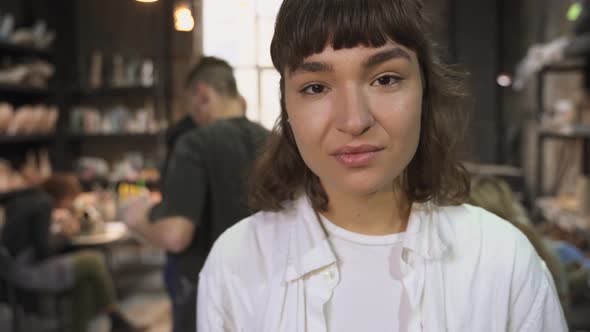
370,295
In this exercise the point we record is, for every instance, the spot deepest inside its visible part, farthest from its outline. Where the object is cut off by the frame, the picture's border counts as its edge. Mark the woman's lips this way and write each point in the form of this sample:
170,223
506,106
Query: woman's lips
357,156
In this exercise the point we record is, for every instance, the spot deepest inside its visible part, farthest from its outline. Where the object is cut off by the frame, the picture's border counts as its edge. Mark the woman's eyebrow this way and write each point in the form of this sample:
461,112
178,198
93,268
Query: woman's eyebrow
312,67
372,61
386,55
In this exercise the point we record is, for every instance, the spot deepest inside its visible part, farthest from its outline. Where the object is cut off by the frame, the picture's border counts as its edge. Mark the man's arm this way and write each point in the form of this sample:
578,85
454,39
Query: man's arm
172,223
173,234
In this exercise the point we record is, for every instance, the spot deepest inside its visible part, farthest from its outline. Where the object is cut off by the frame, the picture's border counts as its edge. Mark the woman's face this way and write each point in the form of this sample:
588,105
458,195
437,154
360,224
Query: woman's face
66,203
355,114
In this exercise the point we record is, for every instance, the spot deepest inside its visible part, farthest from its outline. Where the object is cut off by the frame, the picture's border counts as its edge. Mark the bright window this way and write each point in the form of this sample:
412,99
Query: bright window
240,32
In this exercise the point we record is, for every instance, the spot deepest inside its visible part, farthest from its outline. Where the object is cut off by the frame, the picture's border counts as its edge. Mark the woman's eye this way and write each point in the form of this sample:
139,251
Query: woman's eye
314,89
387,80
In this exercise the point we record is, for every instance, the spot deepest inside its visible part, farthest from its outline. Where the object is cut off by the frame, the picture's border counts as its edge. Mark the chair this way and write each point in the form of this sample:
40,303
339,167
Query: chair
11,285
8,285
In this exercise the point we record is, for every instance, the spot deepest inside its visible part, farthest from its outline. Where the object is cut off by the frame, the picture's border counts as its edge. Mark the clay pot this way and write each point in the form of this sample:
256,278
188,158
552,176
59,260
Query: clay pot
37,119
6,116
17,125
52,116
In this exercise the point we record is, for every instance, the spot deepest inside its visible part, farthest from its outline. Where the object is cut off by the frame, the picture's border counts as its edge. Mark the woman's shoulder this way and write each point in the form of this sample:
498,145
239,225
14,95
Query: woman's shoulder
480,237
471,222
502,260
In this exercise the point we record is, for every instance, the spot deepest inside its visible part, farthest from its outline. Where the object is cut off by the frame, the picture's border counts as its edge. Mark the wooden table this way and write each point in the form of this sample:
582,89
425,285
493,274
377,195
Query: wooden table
114,232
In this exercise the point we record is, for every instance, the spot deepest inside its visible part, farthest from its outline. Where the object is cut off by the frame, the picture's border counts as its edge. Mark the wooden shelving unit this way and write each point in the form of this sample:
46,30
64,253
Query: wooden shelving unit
14,147
577,132
23,90
25,139
71,52
125,91
152,43
114,136
24,50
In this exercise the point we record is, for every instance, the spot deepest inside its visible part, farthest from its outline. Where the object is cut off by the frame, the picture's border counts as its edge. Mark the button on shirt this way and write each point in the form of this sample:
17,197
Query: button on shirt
370,295
464,269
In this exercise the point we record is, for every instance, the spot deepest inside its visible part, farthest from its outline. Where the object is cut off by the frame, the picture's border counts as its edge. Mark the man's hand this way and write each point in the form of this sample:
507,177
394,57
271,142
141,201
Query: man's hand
173,234
133,212
64,222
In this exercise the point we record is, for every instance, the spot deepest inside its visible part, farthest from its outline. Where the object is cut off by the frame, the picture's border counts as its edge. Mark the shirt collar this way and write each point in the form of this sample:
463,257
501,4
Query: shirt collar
429,236
309,248
430,232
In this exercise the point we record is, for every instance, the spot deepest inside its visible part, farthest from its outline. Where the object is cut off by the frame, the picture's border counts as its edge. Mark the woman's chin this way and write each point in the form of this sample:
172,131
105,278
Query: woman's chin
364,188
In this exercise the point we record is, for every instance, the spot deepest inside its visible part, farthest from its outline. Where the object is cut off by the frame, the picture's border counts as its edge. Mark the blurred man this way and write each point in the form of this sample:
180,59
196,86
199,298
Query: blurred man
203,188
182,126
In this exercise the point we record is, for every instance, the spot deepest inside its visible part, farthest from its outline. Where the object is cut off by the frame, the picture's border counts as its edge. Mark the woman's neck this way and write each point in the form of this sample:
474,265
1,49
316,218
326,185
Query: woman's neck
380,213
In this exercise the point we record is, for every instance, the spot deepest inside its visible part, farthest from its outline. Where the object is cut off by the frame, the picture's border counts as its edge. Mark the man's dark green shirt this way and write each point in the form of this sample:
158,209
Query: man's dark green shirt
205,182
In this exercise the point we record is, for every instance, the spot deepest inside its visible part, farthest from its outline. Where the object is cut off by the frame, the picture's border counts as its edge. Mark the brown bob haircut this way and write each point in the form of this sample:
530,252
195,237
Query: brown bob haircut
304,28
62,186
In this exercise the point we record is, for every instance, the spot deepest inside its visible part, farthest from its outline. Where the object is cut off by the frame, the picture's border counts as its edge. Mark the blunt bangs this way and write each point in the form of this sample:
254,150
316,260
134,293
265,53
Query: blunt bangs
314,24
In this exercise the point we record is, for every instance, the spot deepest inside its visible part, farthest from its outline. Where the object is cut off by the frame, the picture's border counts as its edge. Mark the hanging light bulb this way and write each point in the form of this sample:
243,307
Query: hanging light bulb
183,18
146,0
504,80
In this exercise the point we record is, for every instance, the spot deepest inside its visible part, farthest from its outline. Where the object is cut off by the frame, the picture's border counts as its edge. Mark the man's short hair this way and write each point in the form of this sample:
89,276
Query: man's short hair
216,73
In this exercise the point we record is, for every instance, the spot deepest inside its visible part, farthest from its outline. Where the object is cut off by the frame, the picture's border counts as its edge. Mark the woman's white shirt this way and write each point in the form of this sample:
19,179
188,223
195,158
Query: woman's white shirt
463,269
370,295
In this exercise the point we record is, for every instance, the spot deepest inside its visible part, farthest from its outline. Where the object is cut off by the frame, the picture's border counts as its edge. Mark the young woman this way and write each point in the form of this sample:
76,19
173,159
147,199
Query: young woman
362,224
